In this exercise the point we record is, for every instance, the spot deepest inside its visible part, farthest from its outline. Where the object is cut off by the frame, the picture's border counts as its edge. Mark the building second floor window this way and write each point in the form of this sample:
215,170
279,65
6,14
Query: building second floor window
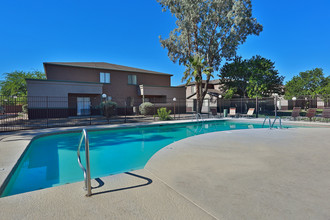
132,79
104,77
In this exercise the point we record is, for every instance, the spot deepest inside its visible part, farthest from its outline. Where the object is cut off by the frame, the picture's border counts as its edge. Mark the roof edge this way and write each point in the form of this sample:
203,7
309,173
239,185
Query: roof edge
139,70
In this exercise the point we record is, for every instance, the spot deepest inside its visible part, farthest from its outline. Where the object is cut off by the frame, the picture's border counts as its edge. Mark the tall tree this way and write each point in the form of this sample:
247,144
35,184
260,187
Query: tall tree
15,84
311,83
234,77
325,91
250,78
209,29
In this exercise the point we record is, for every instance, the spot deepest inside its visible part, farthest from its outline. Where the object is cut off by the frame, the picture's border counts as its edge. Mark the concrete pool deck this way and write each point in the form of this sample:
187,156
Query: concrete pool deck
240,174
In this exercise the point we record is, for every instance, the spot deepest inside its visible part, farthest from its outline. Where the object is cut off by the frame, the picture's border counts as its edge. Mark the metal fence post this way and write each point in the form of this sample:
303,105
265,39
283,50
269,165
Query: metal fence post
47,111
208,106
179,106
257,110
125,110
154,109
174,106
275,106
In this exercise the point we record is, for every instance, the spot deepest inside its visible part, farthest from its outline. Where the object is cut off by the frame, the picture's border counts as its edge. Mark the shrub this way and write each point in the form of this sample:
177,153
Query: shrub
163,115
108,108
146,108
25,108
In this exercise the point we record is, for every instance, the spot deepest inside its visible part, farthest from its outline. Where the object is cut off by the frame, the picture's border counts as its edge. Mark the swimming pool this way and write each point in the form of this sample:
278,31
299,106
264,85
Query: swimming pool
52,160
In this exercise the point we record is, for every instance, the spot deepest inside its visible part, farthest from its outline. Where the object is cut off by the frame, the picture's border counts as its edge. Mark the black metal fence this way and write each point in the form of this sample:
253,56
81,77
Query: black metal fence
18,113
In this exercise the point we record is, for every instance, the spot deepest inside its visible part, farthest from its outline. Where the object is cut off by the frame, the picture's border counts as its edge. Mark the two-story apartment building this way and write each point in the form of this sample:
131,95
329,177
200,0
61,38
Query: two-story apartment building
210,100
73,88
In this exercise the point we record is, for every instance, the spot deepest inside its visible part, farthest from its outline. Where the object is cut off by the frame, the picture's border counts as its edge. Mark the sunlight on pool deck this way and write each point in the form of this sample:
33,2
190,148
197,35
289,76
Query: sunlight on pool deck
241,174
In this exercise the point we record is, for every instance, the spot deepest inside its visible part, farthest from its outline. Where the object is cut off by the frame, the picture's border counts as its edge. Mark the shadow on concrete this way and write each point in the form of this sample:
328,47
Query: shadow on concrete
101,183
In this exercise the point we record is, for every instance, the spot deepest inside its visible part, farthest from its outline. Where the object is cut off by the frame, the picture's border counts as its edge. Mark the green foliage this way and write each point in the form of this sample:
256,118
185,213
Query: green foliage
230,93
207,32
213,28
194,67
252,77
163,114
108,104
25,108
108,108
325,90
15,83
309,83
146,108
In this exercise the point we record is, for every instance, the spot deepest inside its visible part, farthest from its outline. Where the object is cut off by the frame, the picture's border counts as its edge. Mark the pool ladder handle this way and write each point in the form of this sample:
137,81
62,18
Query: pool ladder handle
271,125
198,115
87,171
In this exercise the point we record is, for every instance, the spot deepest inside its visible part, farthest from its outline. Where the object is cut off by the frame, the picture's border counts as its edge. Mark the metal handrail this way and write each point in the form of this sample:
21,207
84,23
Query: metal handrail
200,116
270,124
280,120
202,125
87,172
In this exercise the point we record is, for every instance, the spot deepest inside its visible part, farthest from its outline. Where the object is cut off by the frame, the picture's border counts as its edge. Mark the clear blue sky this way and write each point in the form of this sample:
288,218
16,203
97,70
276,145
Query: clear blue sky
296,34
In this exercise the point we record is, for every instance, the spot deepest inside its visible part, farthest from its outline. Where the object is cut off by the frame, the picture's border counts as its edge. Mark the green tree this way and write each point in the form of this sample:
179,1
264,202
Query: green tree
209,29
15,84
309,83
250,78
195,69
325,91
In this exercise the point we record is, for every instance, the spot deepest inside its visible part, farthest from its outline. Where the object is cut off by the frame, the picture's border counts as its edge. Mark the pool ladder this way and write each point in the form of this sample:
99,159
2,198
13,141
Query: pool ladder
198,115
271,125
198,129
87,171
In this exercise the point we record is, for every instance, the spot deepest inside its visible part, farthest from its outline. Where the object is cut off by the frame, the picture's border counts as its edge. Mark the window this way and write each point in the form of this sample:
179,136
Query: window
205,102
193,89
104,77
132,80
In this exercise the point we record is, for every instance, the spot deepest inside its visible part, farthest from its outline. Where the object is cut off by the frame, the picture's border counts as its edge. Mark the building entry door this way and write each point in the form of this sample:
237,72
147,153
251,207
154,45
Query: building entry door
83,106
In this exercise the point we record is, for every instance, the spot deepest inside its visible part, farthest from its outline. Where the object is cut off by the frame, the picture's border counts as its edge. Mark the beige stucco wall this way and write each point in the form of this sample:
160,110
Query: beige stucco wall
169,92
209,102
118,88
43,92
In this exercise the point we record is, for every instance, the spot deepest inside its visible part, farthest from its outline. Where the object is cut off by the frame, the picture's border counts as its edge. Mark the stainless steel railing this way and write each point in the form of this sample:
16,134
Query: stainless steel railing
87,171
270,124
280,120
198,115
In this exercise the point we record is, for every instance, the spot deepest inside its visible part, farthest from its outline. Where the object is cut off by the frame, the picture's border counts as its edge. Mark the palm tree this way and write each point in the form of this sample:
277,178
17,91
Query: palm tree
195,68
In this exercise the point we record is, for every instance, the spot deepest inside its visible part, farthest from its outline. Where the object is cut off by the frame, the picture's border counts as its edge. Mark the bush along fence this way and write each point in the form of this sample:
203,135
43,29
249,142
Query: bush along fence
18,113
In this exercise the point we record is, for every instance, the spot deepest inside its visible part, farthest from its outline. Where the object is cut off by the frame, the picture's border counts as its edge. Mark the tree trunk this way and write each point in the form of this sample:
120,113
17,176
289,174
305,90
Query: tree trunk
198,95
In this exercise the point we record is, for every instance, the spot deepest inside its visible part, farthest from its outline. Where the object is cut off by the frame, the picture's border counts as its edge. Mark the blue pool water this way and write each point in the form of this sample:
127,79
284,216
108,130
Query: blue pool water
52,160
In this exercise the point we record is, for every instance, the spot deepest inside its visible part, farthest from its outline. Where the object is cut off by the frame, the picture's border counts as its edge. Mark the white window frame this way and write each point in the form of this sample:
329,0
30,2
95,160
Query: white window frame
104,77
132,80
